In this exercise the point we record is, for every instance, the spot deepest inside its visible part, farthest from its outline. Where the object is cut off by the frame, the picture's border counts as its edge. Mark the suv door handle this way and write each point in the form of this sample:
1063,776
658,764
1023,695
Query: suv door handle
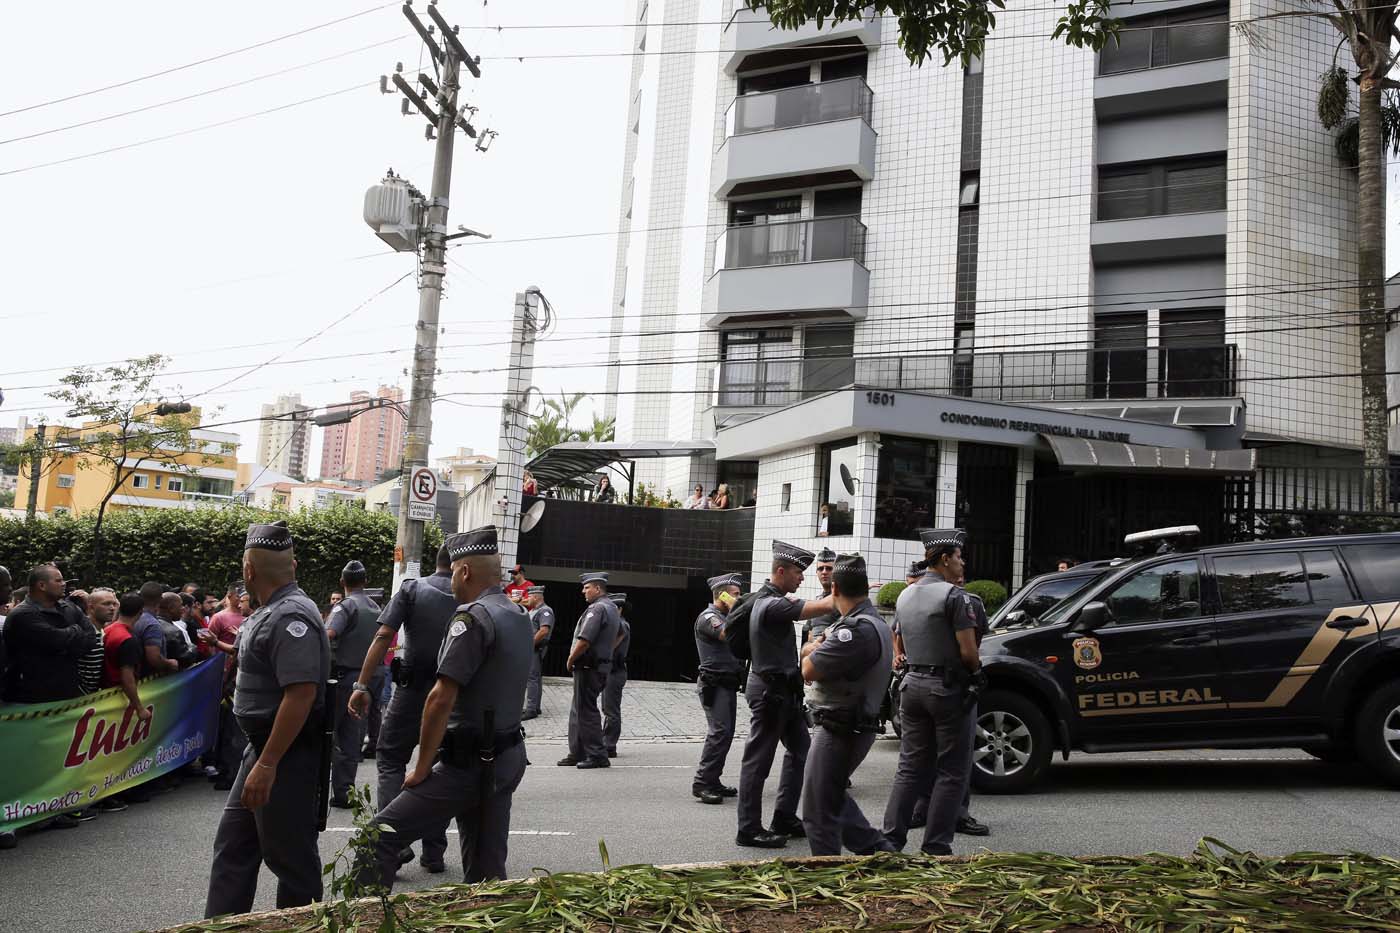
1346,623
1191,640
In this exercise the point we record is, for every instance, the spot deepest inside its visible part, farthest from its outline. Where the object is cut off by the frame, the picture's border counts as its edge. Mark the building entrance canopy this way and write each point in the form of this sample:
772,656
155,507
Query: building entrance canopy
564,462
1076,453
855,410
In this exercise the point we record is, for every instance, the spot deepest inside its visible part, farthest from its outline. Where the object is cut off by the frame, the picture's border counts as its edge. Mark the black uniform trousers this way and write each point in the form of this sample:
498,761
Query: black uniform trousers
775,716
719,735
482,814
281,833
830,815
534,684
585,723
612,706
398,737
935,748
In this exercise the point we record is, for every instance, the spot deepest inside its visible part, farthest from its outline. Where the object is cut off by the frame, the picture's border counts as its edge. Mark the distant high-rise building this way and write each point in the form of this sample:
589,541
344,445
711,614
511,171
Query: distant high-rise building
283,444
370,444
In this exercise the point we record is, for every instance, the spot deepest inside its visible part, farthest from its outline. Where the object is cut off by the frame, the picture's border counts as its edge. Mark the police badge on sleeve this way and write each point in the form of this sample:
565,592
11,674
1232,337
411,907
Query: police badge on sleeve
296,628
459,625
1087,654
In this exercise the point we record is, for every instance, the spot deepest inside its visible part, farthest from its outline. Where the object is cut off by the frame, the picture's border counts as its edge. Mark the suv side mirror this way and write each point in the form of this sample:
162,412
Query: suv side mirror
1094,615
1015,617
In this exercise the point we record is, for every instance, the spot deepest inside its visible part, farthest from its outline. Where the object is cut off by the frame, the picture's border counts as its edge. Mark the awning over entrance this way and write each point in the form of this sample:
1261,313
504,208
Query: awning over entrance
563,462
1077,453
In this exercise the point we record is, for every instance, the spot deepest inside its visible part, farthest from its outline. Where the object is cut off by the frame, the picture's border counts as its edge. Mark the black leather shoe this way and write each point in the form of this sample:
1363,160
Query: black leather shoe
434,868
612,753
726,791
918,820
785,824
706,795
969,826
590,763
368,752
761,840
527,716
568,761
340,803
405,855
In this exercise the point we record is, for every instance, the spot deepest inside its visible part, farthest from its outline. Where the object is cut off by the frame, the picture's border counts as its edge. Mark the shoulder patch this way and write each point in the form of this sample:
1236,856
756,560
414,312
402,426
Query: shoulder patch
459,626
296,628
843,634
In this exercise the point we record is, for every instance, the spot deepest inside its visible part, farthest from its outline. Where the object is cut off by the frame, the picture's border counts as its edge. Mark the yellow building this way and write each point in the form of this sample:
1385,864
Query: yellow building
201,477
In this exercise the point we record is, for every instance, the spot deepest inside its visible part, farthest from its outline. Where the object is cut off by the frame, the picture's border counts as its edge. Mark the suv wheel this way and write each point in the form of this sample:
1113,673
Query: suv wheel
1378,732
1011,745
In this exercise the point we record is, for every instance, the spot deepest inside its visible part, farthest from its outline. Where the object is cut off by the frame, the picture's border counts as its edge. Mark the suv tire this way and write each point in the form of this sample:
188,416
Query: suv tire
1378,732
1013,737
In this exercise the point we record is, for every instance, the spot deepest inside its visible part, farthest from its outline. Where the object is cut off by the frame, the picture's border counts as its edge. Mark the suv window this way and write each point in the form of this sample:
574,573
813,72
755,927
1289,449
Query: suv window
1376,568
1160,593
1325,578
1262,580
1047,594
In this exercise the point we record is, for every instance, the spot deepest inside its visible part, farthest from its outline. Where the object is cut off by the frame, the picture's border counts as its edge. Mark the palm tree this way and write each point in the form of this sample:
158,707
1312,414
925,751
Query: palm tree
602,429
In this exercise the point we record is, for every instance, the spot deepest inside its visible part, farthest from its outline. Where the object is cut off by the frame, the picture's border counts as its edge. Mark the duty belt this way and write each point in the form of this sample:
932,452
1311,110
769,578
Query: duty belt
729,680
934,669
845,722
463,747
259,731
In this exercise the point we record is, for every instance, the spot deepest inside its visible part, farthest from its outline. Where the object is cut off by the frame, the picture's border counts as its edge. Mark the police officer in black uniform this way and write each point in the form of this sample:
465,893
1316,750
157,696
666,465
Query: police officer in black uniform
718,685
284,661
590,660
850,665
419,613
774,694
351,628
936,630
472,718
542,620
825,564
617,675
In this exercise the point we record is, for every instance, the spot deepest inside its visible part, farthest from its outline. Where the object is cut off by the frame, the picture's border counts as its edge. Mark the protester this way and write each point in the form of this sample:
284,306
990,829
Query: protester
177,641
222,636
46,638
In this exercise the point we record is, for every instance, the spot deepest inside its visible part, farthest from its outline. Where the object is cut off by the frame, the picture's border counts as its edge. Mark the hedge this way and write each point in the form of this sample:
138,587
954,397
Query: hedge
205,546
992,593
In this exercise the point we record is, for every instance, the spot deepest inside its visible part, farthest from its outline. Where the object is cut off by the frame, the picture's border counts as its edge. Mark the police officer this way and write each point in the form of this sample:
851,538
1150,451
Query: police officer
419,613
617,676
825,564
718,686
936,630
471,722
916,572
589,661
351,628
279,696
542,619
774,695
850,666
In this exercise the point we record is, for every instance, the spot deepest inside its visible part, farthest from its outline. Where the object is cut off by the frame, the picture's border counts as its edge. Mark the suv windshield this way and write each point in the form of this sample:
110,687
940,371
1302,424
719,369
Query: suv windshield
1041,597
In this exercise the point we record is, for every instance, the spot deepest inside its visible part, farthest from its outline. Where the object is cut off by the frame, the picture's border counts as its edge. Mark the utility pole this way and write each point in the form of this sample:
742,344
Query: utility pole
432,238
36,469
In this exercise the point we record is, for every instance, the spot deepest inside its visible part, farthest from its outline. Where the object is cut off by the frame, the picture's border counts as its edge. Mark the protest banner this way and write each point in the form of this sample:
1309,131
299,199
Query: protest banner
72,753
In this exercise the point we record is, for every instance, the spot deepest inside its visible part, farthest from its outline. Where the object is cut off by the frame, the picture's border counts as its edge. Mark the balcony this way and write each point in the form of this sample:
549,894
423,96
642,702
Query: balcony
790,268
819,132
1182,372
751,32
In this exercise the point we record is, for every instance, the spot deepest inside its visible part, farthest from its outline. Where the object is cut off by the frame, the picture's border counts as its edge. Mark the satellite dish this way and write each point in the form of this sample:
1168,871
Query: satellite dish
848,480
532,517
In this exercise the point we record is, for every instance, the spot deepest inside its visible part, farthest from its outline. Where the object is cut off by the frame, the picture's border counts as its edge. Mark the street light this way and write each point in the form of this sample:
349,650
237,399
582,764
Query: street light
344,414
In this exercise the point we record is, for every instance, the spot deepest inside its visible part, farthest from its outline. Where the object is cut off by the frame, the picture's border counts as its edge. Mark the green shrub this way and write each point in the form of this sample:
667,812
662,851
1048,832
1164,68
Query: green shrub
889,593
205,546
992,593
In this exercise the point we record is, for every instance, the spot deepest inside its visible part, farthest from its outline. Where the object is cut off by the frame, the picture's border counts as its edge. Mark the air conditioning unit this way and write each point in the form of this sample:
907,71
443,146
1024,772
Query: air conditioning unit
394,211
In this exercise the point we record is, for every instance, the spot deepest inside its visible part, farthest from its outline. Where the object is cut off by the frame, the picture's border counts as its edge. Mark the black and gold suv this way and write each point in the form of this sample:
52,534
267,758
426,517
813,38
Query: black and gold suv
1276,644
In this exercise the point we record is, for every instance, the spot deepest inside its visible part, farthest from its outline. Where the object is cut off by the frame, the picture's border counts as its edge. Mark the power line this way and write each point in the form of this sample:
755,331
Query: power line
196,129
198,94
202,61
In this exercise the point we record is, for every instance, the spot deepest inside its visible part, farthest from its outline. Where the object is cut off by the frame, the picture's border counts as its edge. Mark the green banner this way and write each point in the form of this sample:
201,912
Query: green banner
72,753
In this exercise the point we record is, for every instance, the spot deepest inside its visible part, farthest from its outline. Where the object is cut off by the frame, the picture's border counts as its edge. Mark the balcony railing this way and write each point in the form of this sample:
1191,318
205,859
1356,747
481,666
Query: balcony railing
792,241
799,106
1159,46
1207,371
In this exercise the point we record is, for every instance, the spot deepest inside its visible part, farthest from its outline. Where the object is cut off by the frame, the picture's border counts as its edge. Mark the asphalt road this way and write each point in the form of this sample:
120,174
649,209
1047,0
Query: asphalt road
149,866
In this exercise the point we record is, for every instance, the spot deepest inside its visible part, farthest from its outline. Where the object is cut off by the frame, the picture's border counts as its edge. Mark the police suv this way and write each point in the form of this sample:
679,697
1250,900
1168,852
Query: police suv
1276,644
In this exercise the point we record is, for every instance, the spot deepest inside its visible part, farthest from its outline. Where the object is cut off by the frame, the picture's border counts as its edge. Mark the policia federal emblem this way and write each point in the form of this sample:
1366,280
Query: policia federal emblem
1087,654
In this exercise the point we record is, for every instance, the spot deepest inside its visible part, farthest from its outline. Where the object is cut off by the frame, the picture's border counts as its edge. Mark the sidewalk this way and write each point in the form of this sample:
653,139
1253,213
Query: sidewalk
652,711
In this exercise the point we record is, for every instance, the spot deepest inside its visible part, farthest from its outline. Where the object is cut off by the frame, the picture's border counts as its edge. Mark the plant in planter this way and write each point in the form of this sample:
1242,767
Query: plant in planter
889,593
992,593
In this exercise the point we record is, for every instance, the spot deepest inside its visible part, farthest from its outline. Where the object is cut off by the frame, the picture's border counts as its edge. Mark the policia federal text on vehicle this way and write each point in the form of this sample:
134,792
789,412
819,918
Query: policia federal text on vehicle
1275,644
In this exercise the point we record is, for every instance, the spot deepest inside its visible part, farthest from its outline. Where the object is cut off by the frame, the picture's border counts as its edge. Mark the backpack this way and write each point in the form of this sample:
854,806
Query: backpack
736,627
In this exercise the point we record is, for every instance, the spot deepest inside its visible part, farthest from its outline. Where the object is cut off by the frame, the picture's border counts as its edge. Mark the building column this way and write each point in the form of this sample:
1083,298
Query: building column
1025,470
867,472
1154,340
947,483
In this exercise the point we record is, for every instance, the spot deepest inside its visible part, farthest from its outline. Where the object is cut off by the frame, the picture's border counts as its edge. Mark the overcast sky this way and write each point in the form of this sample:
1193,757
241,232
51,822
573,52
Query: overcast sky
204,245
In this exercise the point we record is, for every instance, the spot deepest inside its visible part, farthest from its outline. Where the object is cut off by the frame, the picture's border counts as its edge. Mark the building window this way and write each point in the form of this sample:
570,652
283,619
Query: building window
906,487
1159,41
836,510
60,510
756,367
140,481
176,484
159,480
65,481
1120,355
828,358
787,497
1193,359
1187,186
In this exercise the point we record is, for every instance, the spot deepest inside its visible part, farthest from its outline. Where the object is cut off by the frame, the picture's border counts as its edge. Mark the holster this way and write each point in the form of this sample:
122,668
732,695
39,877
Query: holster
845,722
400,672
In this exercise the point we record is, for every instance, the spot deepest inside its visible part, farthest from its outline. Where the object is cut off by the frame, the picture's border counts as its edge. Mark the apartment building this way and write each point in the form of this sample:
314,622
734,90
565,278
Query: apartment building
362,449
1052,296
284,436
